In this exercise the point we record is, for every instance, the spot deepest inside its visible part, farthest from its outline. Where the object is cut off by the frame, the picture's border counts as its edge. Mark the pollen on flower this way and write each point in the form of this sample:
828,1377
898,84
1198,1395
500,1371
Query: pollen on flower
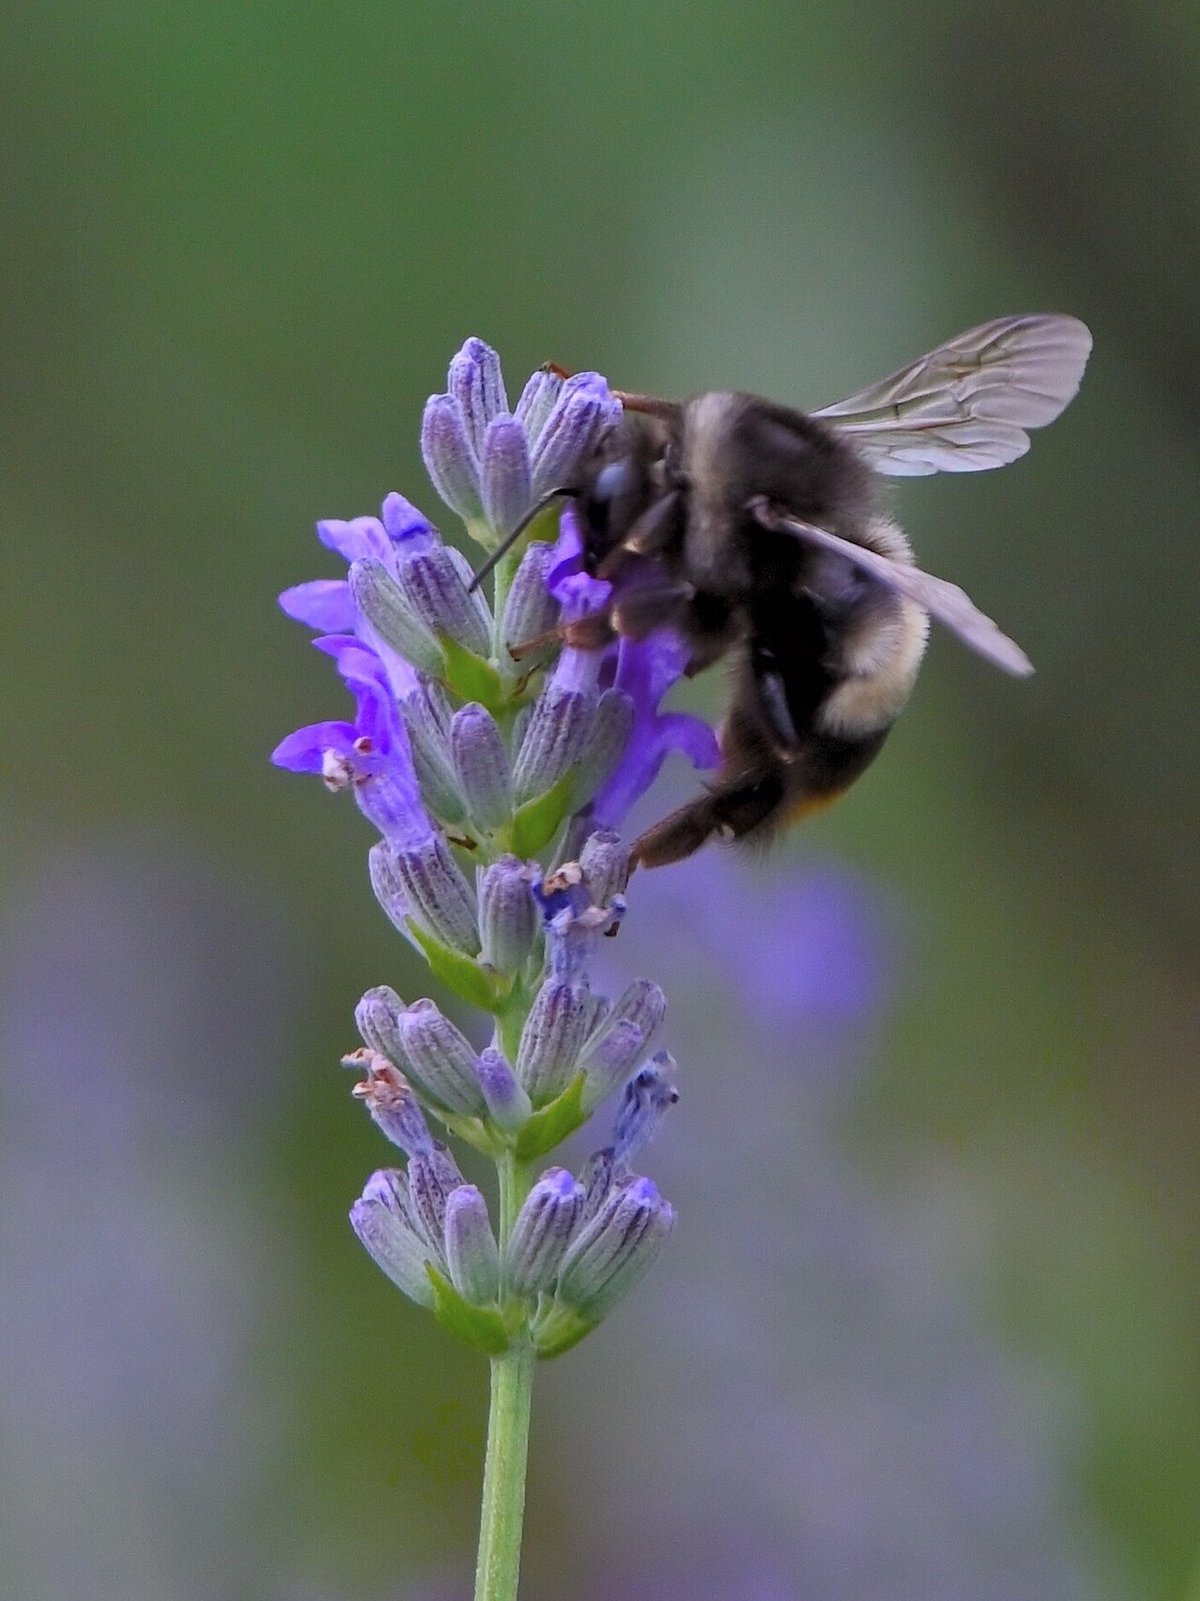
565,877
385,1086
336,771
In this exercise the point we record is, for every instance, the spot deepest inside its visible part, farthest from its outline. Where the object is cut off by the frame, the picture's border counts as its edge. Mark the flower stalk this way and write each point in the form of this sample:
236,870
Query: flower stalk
495,778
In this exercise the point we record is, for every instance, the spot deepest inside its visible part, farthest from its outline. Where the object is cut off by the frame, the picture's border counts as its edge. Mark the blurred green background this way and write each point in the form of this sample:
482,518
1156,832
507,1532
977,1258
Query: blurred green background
241,244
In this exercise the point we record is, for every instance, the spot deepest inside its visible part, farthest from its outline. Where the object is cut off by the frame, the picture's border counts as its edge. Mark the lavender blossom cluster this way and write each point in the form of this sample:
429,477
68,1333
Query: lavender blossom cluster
497,768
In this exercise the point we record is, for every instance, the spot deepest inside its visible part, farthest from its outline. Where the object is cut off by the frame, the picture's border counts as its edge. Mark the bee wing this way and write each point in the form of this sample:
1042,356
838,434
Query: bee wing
944,601
966,405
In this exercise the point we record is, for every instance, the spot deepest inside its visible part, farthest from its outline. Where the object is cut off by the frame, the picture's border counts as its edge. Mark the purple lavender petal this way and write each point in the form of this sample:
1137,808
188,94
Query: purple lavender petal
361,536
373,752
567,556
323,603
646,669
580,595
649,667
647,1097
404,524
305,750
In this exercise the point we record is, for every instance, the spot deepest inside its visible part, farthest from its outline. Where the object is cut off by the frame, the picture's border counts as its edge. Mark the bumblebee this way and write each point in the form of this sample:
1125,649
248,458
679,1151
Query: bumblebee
757,533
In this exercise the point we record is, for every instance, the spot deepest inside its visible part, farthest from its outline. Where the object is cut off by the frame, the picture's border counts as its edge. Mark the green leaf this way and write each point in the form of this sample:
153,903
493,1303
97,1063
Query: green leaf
551,1125
471,677
484,1327
462,974
476,1131
535,824
559,1329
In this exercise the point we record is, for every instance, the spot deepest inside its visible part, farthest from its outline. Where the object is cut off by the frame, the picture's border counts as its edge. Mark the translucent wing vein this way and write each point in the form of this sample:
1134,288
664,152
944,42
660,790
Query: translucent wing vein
965,406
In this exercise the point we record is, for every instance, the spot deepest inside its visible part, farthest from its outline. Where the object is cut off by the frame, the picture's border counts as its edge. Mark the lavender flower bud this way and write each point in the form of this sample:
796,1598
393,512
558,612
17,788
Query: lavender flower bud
643,1004
434,580
472,1256
431,1180
403,523
481,763
643,1105
386,886
377,1016
387,610
508,914
616,1249
530,610
538,399
542,1232
598,1009
505,472
581,412
440,1058
438,897
508,1105
596,1179
605,863
610,1061
476,383
383,1219
426,714
553,739
608,740
551,1039
450,460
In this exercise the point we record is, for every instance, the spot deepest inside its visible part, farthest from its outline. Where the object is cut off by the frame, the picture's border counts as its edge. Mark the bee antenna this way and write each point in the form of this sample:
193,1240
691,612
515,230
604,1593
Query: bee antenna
564,491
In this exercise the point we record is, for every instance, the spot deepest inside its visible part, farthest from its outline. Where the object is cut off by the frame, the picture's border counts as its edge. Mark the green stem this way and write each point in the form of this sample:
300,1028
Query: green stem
503,1508
502,579
504,1475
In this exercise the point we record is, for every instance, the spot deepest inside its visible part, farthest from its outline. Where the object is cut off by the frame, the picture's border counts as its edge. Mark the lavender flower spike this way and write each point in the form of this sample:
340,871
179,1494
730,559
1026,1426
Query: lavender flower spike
487,755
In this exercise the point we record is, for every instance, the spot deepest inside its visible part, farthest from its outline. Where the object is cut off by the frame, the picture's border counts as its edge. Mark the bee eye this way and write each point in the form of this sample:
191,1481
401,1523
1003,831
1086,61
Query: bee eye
618,478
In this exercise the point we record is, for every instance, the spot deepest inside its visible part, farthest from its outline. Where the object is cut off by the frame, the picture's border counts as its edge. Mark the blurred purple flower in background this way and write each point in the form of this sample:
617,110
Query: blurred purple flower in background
143,1005
822,1411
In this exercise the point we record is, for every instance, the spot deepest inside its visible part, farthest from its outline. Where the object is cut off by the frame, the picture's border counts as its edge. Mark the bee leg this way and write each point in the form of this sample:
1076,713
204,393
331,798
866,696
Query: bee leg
658,529
732,811
640,611
585,633
592,632
772,697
